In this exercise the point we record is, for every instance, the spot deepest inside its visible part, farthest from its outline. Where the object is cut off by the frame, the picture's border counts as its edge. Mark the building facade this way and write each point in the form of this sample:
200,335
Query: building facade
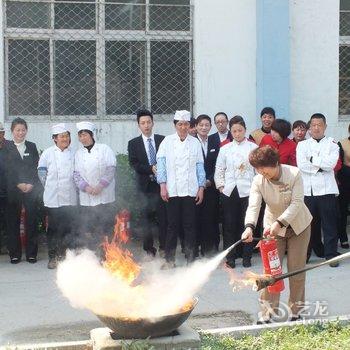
101,60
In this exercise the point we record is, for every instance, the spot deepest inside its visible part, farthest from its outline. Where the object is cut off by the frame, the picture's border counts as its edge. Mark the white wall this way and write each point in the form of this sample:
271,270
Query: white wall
225,58
315,62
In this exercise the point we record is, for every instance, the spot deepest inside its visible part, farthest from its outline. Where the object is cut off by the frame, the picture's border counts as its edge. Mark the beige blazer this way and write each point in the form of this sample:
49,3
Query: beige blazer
284,201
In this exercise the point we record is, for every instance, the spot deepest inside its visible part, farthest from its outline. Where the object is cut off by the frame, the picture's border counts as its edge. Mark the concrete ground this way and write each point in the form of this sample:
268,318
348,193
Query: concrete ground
32,308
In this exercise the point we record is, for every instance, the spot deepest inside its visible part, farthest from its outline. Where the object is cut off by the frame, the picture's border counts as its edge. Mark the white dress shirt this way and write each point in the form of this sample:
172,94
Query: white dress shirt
223,136
316,161
233,168
204,145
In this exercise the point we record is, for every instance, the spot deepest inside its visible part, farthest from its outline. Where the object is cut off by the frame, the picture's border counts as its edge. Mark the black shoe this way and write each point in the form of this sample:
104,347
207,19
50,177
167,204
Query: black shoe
295,318
151,251
231,264
15,260
247,262
345,245
32,260
263,321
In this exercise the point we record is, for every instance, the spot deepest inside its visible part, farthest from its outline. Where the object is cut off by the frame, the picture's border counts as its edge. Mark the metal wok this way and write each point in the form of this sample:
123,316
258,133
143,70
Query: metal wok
143,328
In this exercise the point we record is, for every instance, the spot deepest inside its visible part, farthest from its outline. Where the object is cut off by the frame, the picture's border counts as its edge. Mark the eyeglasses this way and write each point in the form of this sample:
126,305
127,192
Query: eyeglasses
221,122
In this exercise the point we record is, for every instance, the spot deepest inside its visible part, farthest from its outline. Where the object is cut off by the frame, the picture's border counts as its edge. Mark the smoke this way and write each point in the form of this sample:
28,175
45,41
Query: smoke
87,285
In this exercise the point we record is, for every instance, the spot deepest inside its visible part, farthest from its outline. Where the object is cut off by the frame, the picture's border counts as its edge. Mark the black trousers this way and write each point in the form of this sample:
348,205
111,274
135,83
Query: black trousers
60,234
154,219
181,210
95,222
207,218
234,214
14,207
324,212
2,221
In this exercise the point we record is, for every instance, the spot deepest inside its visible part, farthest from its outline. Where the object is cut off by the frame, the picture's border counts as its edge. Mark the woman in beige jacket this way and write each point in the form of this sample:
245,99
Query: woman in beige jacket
286,218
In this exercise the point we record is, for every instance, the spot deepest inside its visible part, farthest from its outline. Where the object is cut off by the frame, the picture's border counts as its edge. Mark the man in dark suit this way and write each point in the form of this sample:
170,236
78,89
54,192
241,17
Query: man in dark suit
223,135
220,138
142,152
208,211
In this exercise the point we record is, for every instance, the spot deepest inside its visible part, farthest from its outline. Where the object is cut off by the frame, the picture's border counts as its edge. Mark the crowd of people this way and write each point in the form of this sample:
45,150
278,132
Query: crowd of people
291,182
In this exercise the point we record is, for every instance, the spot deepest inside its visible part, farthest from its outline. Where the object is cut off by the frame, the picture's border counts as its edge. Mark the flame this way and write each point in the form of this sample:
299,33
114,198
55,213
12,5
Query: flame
246,280
119,261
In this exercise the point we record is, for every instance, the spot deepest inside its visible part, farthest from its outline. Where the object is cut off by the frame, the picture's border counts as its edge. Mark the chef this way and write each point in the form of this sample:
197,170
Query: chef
94,175
55,170
181,175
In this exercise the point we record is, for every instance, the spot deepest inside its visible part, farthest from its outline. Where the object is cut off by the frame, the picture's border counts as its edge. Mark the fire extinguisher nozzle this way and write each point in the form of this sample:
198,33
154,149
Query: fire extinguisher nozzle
263,282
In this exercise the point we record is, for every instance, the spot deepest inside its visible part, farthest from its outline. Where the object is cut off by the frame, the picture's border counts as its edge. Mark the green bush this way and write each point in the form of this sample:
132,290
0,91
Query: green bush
329,336
127,196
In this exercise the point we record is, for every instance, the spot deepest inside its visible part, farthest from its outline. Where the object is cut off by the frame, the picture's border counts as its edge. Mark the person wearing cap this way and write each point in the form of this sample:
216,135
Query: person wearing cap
3,143
94,175
267,116
181,175
55,170
23,189
142,152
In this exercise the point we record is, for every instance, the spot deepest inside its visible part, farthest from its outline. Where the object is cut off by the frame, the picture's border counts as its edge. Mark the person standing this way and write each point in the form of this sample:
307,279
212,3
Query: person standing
181,175
343,177
286,219
267,116
55,171
233,178
208,211
23,189
142,152
316,158
94,175
278,139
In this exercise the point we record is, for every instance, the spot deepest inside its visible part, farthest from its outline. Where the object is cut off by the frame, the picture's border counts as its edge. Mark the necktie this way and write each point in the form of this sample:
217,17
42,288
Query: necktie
152,153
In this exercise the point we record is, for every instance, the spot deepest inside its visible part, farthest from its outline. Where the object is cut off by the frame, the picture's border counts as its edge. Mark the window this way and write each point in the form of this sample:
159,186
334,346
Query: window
344,59
97,59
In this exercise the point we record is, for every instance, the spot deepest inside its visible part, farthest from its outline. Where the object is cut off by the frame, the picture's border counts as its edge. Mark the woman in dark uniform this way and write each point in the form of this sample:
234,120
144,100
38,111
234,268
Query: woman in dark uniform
22,190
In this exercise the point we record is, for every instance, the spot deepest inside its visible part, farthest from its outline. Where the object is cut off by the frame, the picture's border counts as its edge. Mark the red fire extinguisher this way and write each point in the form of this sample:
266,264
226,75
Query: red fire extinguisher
22,228
271,262
123,221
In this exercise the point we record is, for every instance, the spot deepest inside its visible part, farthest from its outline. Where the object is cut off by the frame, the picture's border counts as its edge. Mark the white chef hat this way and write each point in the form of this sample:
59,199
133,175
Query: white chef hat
59,129
182,115
86,126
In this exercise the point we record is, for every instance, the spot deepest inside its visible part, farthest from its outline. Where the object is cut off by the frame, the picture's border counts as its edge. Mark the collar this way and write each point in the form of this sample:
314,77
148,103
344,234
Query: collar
58,149
90,146
201,140
145,138
318,140
239,143
223,134
177,138
265,131
19,144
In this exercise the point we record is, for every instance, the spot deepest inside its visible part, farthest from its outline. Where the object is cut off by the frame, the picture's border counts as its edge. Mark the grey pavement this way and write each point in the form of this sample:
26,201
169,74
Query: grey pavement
32,308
